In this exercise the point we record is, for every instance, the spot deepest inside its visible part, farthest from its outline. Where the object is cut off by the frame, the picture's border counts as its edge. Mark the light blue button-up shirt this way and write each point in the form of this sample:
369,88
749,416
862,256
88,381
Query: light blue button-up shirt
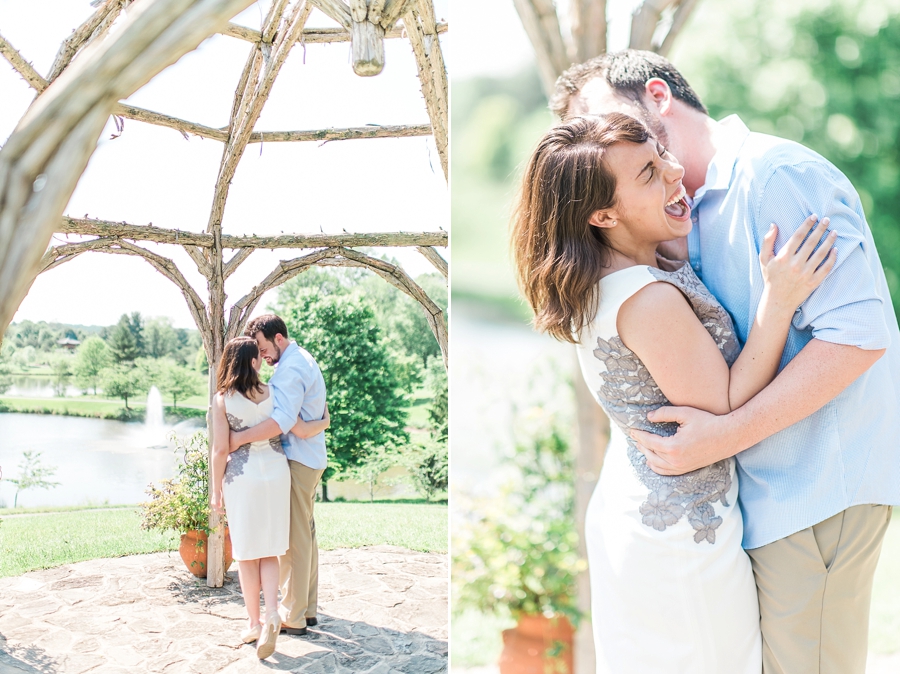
299,390
847,453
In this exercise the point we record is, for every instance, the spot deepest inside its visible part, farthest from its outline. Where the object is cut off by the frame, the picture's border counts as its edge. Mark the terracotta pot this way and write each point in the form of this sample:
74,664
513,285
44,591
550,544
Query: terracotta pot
538,645
193,551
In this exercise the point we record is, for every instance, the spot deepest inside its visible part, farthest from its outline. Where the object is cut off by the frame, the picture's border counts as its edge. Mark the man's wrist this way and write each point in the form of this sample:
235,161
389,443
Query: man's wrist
735,430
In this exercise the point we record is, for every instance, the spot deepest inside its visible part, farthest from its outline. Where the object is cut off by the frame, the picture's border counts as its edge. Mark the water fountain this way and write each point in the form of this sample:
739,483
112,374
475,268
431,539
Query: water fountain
154,427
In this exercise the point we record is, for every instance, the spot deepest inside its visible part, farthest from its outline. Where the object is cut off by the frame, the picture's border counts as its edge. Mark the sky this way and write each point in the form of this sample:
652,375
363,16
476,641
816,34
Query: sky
152,174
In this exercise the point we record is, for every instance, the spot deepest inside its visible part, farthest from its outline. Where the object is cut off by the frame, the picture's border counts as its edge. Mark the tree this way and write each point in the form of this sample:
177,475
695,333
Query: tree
7,353
378,462
120,381
136,328
366,404
436,383
179,382
122,344
91,358
32,475
61,365
429,467
160,338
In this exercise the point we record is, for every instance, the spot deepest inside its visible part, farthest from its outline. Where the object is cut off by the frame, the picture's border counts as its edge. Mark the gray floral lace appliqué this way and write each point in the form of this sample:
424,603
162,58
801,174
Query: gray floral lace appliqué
239,457
629,393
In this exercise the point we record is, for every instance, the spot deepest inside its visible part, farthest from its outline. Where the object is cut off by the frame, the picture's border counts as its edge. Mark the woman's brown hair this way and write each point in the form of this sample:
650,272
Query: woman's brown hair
558,256
236,371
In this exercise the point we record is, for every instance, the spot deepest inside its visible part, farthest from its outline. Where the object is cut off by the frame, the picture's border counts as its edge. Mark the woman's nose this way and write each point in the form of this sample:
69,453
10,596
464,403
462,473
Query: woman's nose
674,171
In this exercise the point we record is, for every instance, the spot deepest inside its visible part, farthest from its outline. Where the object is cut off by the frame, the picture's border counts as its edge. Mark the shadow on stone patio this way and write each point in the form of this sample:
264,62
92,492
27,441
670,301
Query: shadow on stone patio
381,610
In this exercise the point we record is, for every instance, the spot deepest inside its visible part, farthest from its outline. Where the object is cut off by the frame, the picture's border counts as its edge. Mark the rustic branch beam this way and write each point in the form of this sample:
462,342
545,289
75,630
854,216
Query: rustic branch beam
21,66
93,28
286,270
644,22
426,46
337,10
541,23
236,260
322,135
43,158
105,228
321,35
198,255
435,258
60,254
398,278
588,19
393,10
682,14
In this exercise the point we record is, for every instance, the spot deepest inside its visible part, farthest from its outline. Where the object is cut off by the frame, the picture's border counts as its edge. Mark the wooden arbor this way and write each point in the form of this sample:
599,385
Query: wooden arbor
46,154
654,26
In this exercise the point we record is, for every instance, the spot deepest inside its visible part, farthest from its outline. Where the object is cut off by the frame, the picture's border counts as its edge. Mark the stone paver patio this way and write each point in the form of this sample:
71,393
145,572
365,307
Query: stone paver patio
382,610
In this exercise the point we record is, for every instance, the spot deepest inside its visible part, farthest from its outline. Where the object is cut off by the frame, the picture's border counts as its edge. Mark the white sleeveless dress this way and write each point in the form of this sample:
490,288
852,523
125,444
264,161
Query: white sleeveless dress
672,591
257,486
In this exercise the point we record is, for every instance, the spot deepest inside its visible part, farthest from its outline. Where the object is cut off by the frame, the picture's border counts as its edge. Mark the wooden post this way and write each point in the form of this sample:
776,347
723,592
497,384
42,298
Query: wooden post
593,436
215,563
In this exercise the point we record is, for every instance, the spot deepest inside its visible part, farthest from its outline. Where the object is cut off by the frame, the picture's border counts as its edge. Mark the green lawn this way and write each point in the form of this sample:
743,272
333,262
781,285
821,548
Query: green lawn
91,407
39,541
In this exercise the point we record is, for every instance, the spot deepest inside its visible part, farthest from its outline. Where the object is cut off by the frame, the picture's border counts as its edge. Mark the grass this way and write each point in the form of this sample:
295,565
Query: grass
92,408
38,510
884,626
31,542
52,537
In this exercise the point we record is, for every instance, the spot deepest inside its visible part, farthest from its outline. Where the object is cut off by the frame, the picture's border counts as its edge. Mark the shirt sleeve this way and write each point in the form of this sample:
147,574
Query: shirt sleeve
289,389
847,308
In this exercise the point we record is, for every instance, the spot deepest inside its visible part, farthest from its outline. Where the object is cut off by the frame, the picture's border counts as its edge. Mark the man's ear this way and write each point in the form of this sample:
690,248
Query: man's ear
603,219
661,95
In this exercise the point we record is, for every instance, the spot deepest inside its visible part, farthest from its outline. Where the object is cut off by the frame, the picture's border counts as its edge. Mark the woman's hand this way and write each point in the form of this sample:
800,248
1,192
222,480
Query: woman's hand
216,502
798,268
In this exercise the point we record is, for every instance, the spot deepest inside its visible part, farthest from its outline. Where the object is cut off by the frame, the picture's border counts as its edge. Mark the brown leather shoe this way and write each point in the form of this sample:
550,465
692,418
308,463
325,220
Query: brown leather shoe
295,631
311,622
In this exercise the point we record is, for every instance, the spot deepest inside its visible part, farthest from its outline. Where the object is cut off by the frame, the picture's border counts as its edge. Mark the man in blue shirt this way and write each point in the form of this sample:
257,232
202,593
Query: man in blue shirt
299,391
816,450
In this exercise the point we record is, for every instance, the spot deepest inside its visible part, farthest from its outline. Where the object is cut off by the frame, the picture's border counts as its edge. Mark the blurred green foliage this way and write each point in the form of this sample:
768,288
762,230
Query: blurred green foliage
825,73
517,552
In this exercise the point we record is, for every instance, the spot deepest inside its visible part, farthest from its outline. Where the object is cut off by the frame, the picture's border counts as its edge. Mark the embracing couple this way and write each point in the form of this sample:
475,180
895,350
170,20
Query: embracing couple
268,459
754,457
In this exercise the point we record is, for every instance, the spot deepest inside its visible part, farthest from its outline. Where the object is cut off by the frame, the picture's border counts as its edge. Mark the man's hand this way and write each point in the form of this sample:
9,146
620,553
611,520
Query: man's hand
701,440
676,249
234,440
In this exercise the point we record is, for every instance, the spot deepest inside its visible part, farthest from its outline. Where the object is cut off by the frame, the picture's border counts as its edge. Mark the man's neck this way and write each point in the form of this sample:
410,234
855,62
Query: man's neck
698,140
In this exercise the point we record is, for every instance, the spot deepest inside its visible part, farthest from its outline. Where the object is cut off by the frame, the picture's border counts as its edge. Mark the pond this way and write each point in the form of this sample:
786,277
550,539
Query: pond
29,386
96,460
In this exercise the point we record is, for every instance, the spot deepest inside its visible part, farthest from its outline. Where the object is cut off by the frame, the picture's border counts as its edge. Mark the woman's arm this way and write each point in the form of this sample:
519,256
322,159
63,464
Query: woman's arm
658,324
307,429
221,432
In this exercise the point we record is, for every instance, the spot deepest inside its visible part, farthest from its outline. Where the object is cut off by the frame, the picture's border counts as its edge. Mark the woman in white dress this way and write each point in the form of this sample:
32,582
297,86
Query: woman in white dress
672,589
254,482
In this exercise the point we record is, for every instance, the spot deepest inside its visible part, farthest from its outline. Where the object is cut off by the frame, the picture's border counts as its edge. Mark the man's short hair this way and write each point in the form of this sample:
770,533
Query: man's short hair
268,324
627,73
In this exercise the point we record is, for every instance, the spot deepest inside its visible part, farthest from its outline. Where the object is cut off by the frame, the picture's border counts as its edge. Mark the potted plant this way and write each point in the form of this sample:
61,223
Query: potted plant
517,554
181,504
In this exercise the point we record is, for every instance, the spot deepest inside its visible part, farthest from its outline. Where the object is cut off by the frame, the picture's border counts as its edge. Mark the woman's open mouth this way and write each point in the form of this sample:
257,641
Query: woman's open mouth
677,207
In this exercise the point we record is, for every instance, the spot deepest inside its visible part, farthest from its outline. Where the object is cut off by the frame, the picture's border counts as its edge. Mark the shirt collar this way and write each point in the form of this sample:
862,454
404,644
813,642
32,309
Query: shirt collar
290,348
733,132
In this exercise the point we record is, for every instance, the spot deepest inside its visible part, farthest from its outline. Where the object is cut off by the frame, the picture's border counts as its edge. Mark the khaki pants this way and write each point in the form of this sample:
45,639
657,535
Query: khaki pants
299,566
815,589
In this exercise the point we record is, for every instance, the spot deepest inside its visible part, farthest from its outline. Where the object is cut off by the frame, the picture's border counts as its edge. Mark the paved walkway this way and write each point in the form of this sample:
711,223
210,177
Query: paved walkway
383,610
